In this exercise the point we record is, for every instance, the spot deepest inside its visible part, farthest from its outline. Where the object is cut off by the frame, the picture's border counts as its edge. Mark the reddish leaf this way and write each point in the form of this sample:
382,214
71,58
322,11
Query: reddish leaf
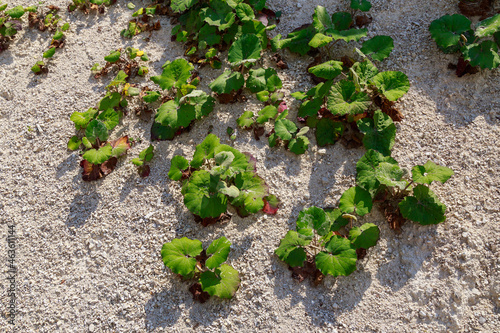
392,215
362,20
282,107
144,171
361,253
269,209
308,270
388,107
483,8
90,171
347,62
262,18
224,217
463,67
280,63
108,166
258,132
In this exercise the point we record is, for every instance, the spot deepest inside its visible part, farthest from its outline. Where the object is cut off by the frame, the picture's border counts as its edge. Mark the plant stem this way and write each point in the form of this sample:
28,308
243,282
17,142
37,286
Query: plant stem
409,184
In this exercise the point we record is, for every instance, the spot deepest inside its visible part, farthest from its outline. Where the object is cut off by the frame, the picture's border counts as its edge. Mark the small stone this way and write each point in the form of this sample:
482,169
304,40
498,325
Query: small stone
322,151
482,320
422,314
91,328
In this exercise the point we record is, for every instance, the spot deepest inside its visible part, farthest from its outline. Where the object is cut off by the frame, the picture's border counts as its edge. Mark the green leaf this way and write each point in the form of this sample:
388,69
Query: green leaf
343,99
65,27
231,191
379,47
392,84
223,282
484,55
177,165
137,161
298,41
423,207
81,119
429,172
175,116
488,27
365,236
314,218
322,20
380,132
98,156
310,108
110,118
202,102
120,146
446,31
119,79
341,20
263,96
253,190
240,162
205,150
285,129
245,49
208,36
151,96
263,80
363,72
320,40
161,132
390,175
130,6
180,255
227,82
219,14
338,221
245,12
298,145
366,169
58,35
74,143
349,35
291,249
219,249
328,131
362,5
49,53
201,196
110,101
179,6
327,70
15,12
268,112
245,120
174,74
113,56
340,258
96,129
356,199
86,143
147,154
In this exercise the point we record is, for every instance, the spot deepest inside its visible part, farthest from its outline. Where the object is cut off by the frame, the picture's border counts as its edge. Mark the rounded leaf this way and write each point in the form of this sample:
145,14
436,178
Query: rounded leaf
356,199
110,118
366,169
314,218
291,249
488,27
223,282
484,55
245,49
328,131
365,236
201,196
298,145
177,165
340,258
227,82
379,47
380,132
429,172
285,128
343,99
180,255
96,129
392,84
74,143
446,30
423,207
98,156
263,80
175,74
179,6
219,250
205,150
327,70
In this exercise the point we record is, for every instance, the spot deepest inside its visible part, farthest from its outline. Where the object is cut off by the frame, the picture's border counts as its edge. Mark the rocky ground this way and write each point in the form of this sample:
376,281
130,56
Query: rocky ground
88,254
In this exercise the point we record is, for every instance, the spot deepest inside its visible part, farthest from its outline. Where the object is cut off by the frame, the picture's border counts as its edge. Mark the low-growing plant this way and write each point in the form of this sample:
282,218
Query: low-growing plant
326,31
350,108
127,62
217,175
87,6
477,49
11,23
48,20
187,258
144,156
183,103
321,245
141,18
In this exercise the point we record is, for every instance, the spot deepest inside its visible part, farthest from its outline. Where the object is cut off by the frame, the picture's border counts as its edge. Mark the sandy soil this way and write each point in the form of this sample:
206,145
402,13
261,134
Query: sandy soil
89,253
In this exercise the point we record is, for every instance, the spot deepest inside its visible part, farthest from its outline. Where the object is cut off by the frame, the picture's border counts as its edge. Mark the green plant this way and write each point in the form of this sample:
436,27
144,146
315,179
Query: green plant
128,63
349,108
187,258
10,22
400,196
479,48
144,156
217,175
141,18
52,21
321,246
326,31
87,5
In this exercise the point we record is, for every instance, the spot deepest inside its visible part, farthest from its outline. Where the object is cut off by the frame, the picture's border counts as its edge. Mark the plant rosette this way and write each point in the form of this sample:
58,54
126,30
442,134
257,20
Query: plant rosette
131,61
11,22
87,6
359,108
322,245
219,175
187,258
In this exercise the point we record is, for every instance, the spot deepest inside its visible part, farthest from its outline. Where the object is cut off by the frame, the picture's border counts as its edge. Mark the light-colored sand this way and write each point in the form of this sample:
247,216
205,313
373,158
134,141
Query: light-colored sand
89,253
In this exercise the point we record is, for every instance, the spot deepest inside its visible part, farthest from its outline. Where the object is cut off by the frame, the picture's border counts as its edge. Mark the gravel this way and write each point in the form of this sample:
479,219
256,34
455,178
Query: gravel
88,254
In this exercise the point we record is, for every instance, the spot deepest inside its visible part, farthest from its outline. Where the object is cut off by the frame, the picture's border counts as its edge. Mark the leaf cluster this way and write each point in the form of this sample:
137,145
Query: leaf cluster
478,46
11,23
325,31
187,258
184,103
353,103
90,5
145,156
319,236
219,175
131,60
141,18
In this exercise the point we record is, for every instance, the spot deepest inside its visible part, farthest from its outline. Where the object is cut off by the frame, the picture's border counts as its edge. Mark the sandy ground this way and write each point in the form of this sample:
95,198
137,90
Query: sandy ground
88,254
